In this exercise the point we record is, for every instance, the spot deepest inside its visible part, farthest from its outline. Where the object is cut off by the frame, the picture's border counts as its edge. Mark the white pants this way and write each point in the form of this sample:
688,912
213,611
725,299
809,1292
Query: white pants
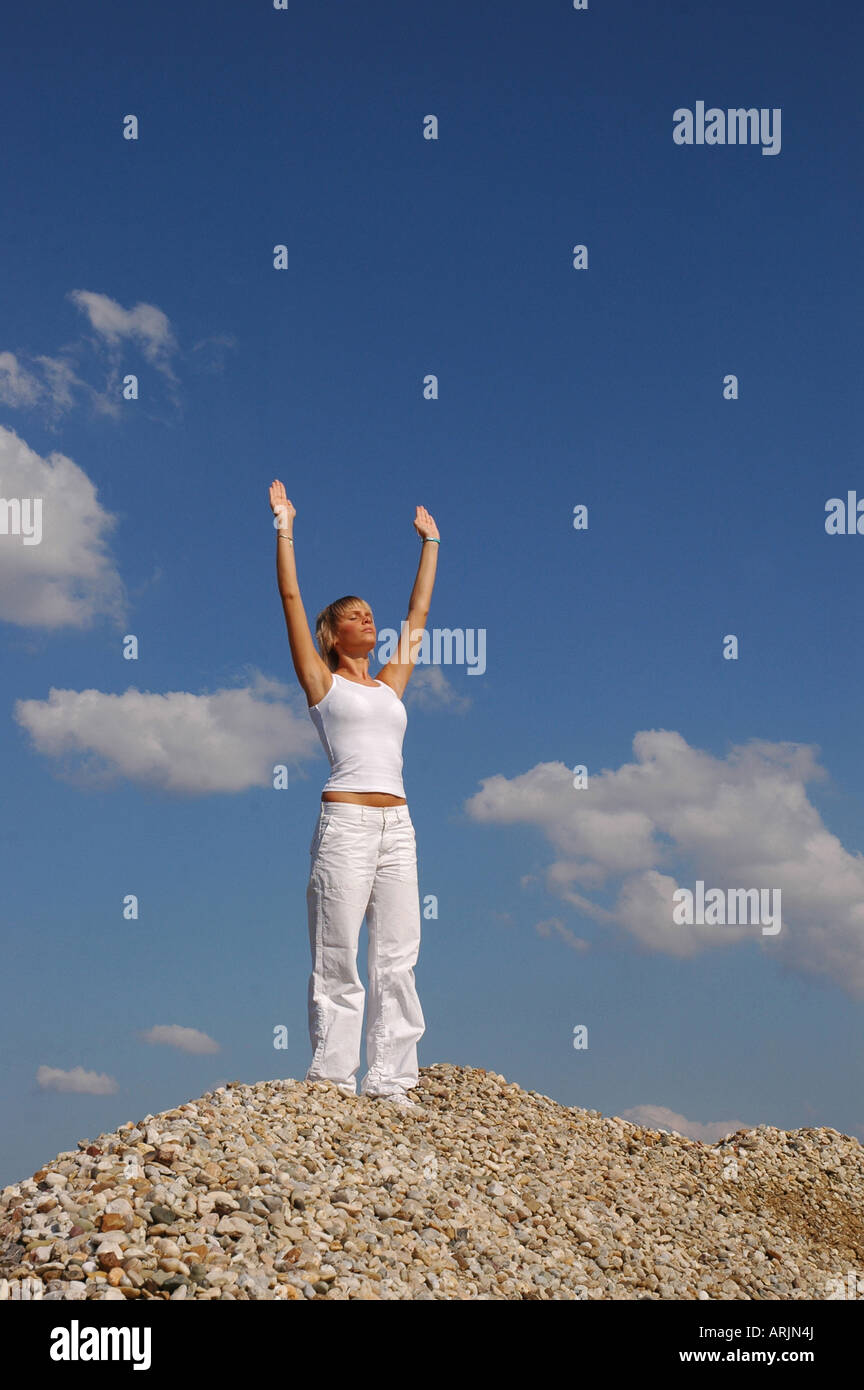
364,861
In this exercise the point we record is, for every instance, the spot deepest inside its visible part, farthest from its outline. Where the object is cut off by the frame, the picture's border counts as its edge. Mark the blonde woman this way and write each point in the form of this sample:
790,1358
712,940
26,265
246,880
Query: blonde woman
363,852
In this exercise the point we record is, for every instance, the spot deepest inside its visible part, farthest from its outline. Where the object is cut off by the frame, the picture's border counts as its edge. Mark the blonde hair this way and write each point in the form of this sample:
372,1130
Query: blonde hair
327,622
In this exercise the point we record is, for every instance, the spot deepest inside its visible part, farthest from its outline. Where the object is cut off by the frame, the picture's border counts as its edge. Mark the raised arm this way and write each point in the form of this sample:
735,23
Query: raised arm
312,671
397,672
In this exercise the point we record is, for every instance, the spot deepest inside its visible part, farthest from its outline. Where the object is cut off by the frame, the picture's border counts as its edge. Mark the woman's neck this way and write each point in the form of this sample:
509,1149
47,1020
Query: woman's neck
364,679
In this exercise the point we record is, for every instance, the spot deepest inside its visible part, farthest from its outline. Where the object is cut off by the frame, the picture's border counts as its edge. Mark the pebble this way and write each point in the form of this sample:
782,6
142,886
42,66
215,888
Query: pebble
288,1190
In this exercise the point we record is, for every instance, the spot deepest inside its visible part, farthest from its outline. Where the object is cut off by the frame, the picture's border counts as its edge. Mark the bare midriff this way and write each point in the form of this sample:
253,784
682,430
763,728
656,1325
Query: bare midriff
366,798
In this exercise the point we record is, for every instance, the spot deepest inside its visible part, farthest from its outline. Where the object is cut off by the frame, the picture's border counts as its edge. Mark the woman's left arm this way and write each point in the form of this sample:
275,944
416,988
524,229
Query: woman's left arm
397,672
421,594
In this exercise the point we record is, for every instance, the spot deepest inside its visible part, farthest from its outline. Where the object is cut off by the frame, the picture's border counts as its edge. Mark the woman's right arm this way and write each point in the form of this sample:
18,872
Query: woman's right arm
312,671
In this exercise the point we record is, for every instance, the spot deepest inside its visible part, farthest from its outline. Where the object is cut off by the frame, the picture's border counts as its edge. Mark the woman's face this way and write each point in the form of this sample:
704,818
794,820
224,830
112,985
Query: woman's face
356,630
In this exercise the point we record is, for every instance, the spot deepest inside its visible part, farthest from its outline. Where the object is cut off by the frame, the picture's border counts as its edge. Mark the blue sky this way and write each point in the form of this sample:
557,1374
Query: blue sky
604,386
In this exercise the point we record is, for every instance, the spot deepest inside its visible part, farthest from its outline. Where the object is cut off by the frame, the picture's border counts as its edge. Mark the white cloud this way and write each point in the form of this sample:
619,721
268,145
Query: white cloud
89,1083
184,1039
228,741
51,382
60,379
428,688
553,926
678,814
68,579
18,387
145,325
659,1117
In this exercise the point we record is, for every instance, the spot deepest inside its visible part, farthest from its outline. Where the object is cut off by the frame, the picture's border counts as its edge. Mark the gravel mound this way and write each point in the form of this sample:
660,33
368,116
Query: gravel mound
291,1190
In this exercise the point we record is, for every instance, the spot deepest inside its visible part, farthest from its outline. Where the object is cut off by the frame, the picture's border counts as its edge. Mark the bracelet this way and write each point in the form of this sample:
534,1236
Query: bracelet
283,538
431,538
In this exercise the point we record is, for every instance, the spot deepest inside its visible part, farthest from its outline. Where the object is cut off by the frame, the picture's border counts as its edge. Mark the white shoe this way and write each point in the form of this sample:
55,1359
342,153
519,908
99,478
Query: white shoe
400,1098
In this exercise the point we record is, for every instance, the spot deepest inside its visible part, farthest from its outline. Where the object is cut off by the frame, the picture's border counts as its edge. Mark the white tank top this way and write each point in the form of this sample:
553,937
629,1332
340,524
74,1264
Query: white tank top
361,728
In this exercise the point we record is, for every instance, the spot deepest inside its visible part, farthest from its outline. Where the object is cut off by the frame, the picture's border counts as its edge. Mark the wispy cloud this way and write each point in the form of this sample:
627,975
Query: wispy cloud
49,383
553,926
146,326
209,355
18,387
89,1083
184,1039
741,821
429,688
118,338
659,1117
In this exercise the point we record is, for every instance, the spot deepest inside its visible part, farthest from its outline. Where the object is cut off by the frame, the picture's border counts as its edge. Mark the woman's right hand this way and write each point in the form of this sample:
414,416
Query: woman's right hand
282,507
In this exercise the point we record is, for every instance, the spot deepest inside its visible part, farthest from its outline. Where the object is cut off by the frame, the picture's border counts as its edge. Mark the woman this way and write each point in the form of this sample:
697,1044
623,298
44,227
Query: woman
363,852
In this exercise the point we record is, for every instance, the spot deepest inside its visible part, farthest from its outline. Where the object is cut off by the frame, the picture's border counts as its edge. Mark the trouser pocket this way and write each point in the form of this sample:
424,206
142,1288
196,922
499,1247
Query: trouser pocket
325,822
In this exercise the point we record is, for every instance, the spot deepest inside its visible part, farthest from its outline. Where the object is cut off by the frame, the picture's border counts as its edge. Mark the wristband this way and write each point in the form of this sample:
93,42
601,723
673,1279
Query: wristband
431,538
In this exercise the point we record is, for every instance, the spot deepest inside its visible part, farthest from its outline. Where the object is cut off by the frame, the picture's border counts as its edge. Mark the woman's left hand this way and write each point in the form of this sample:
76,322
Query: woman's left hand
424,524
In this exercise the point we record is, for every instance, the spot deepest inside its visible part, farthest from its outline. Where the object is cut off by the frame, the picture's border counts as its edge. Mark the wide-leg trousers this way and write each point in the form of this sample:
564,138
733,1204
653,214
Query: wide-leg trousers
364,862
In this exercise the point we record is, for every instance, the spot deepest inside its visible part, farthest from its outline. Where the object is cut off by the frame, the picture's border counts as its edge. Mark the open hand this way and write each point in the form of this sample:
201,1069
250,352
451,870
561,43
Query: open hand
424,524
283,508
